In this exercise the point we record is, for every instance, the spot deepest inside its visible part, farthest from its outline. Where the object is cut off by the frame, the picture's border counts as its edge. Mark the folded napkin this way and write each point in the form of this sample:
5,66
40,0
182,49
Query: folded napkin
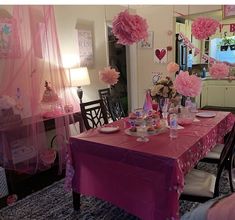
178,128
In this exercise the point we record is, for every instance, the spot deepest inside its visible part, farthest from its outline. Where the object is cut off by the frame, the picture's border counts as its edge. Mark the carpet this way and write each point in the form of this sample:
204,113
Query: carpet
52,203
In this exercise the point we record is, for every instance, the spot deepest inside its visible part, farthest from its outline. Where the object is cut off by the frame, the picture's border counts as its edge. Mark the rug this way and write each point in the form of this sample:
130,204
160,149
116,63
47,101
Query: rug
54,203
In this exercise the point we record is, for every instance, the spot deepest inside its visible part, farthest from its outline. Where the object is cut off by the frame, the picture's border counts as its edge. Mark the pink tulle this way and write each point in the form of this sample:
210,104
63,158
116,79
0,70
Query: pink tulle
188,85
203,27
219,70
109,76
129,29
172,67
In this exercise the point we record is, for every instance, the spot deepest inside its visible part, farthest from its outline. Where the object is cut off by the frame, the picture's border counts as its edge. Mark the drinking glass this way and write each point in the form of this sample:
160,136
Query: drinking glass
142,131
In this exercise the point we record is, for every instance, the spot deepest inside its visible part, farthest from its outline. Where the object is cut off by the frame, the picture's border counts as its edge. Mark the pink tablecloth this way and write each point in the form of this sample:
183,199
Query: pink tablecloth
145,179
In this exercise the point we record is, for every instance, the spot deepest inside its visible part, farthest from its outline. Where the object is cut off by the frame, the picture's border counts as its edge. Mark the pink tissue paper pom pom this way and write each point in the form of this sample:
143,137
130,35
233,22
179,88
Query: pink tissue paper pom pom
172,67
219,70
109,76
188,85
129,29
203,27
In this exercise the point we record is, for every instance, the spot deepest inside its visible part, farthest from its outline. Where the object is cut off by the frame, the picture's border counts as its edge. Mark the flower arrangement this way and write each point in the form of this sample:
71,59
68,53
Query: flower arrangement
109,75
188,85
172,67
203,27
163,88
219,70
129,29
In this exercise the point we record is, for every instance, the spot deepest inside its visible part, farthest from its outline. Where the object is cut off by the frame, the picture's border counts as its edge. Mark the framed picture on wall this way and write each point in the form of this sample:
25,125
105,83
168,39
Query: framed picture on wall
85,34
148,43
228,11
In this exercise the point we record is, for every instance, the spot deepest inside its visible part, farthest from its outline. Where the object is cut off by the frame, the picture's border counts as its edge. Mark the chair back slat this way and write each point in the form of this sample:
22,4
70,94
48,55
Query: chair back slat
115,108
225,158
104,94
94,114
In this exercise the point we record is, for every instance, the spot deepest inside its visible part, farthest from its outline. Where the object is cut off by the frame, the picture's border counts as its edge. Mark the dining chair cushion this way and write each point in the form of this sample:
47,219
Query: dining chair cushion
215,152
199,183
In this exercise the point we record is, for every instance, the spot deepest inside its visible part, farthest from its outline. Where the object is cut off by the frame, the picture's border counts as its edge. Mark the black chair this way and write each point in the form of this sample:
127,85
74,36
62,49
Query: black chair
199,184
115,108
94,114
213,156
103,94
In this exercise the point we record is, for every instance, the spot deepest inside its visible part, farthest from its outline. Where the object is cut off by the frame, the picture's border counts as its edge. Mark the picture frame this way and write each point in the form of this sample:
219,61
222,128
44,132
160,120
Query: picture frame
228,11
85,36
148,43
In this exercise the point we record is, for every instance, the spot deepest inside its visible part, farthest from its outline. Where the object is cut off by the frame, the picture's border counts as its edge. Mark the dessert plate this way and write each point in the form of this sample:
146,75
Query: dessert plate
206,114
109,129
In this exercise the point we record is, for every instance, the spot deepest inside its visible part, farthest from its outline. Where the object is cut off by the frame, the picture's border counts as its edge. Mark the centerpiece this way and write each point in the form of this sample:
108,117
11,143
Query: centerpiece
162,91
189,86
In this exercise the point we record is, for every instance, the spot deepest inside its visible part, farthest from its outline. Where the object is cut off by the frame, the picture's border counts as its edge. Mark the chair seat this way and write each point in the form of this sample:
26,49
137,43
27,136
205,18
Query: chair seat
199,183
215,152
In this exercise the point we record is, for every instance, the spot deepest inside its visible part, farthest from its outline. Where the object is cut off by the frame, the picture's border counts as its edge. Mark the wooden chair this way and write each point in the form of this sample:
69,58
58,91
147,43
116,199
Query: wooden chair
94,114
103,94
200,185
115,108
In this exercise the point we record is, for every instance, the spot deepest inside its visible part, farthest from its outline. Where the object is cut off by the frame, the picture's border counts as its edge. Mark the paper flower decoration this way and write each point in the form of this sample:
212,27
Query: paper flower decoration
203,27
219,70
172,67
109,76
188,85
129,29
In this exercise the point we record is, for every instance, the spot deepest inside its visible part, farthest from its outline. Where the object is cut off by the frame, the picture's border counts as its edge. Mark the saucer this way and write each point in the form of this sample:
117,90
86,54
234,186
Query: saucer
109,129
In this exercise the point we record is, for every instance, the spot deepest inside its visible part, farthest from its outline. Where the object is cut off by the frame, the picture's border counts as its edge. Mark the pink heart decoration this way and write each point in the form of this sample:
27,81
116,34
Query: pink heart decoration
160,53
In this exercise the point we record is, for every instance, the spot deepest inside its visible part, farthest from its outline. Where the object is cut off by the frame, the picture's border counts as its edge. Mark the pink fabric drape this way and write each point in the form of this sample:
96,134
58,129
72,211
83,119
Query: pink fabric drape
31,57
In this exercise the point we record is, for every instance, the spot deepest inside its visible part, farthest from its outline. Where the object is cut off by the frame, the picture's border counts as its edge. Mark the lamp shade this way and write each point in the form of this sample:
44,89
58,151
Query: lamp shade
79,77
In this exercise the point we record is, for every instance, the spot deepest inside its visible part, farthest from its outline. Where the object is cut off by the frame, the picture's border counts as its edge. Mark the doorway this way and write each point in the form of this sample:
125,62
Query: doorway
117,59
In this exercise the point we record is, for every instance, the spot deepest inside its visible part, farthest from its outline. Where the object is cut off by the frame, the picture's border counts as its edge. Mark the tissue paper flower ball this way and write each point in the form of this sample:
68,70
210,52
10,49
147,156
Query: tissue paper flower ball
129,29
188,85
203,27
219,70
109,76
172,67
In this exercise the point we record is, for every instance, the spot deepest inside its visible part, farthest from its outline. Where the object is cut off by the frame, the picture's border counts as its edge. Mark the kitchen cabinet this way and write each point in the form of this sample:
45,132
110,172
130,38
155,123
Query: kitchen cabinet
218,93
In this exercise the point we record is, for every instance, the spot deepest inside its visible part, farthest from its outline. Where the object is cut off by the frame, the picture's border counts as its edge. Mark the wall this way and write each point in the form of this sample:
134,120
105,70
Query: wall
66,19
160,24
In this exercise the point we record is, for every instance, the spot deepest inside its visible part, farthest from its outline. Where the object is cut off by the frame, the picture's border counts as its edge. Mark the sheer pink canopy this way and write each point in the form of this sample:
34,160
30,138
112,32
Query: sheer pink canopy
34,92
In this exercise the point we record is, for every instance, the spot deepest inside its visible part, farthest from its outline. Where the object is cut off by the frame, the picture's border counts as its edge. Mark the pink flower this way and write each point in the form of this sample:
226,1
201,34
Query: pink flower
172,67
109,75
129,29
203,27
219,70
188,85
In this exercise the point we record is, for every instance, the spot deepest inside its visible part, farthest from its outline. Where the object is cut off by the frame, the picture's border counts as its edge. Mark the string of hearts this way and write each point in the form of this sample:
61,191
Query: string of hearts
197,51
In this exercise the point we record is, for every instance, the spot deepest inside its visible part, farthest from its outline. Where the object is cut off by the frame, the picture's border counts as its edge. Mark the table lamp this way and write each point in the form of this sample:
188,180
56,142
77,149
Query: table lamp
79,77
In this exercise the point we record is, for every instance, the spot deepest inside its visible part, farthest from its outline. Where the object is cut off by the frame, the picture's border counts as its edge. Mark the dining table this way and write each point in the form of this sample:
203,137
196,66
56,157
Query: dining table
143,178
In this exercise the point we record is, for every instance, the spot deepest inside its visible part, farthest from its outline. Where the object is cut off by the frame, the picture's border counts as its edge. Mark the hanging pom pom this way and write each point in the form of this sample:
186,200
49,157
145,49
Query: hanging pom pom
203,27
109,76
219,70
129,29
188,85
172,67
